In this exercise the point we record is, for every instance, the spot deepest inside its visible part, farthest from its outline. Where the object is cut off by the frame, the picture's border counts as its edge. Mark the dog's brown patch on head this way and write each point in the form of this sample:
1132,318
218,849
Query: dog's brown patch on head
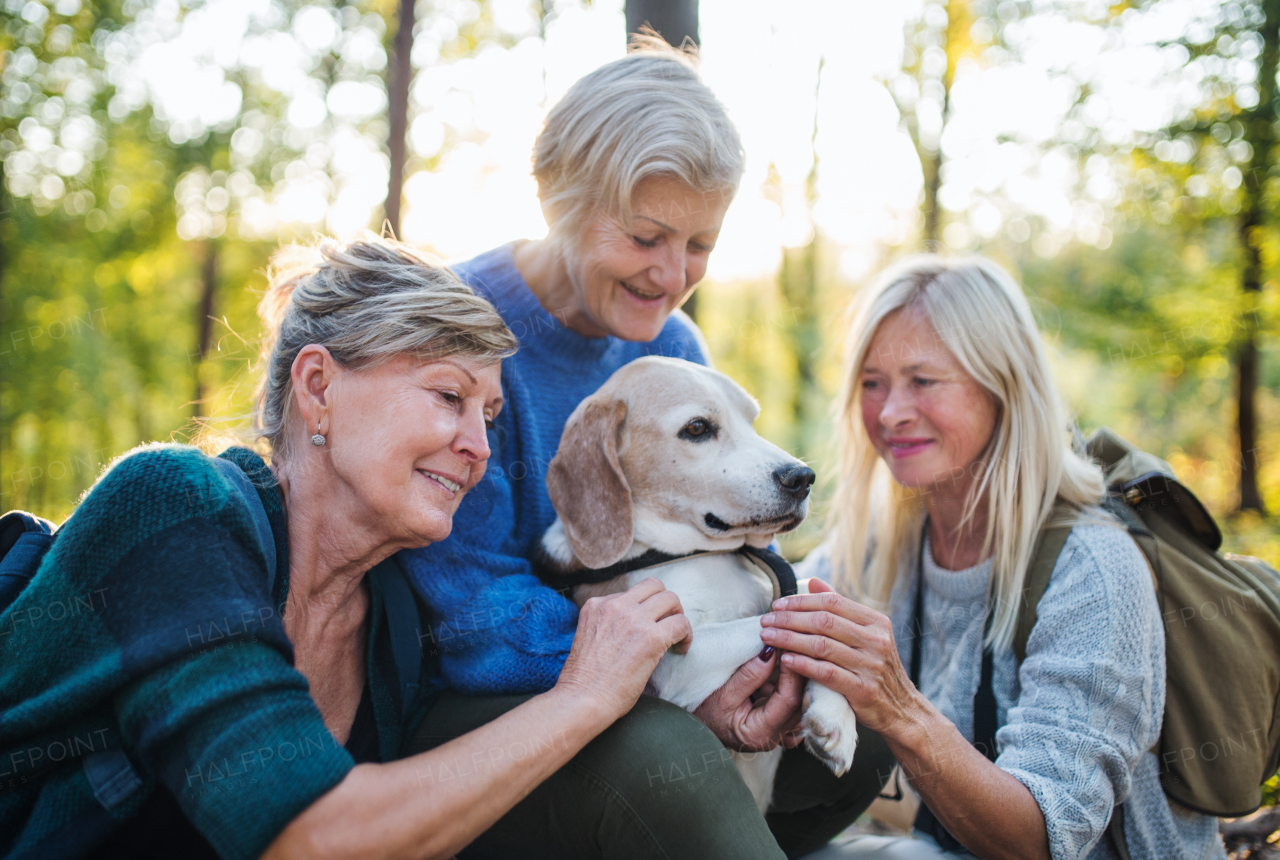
666,485
587,486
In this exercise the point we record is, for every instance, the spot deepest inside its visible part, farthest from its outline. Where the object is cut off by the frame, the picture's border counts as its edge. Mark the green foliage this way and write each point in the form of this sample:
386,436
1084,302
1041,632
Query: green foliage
1271,791
100,296
121,223
1143,340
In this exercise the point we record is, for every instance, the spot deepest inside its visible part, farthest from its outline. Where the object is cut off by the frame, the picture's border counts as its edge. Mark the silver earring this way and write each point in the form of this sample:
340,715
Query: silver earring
317,440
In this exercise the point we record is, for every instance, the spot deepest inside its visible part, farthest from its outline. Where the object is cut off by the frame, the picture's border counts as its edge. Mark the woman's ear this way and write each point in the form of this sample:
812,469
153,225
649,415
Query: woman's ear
587,486
313,372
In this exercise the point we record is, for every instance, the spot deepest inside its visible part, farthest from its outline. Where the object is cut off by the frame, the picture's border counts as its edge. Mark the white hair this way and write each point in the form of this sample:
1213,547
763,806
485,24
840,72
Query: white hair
367,301
982,317
647,114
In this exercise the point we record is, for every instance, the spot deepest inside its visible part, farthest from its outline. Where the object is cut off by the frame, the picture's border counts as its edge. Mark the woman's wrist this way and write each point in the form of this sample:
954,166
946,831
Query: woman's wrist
594,711
915,736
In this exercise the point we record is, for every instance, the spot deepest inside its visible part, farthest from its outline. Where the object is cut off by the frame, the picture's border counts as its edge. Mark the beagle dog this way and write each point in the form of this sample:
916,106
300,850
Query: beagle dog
663,461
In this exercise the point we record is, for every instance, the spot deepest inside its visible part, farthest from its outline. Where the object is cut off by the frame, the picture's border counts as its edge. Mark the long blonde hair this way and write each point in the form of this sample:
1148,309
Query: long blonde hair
982,317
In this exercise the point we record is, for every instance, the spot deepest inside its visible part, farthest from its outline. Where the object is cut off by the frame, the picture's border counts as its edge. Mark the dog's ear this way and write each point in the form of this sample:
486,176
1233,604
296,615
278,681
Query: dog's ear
587,487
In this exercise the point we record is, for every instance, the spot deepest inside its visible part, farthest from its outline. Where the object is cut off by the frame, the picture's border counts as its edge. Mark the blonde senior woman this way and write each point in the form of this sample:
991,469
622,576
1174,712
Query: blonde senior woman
236,690
955,454
635,167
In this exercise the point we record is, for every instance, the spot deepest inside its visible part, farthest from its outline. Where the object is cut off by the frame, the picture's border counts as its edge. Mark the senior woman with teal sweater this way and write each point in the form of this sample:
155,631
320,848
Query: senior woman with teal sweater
256,711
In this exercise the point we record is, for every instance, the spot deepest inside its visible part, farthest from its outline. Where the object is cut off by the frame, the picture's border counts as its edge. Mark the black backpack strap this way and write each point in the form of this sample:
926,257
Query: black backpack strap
917,620
262,525
405,628
112,777
1115,833
24,539
985,710
110,773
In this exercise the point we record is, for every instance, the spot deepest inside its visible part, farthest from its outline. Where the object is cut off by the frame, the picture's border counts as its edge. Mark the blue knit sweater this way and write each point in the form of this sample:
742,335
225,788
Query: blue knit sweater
496,627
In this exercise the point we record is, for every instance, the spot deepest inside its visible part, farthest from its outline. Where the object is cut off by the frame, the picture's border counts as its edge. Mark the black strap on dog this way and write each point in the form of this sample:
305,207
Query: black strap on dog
777,568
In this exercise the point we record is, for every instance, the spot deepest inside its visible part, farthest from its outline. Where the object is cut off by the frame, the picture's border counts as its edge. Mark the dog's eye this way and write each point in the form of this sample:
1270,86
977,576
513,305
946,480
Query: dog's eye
698,430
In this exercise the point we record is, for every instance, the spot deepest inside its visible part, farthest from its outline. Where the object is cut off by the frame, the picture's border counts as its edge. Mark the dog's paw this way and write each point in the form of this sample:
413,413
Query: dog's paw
830,729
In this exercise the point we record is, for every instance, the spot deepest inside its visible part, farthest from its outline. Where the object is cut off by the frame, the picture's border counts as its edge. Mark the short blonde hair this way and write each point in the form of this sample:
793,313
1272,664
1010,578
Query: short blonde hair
647,114
983,318
367,302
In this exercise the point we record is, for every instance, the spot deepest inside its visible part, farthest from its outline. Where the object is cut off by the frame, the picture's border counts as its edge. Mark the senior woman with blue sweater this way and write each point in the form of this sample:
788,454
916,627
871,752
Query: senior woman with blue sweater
954,456
636,167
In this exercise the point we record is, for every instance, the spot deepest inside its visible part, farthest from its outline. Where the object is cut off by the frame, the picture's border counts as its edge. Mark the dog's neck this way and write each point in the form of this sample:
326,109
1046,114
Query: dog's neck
555,543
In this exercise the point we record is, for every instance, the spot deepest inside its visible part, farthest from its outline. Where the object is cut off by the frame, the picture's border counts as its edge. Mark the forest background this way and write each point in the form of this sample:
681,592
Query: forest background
1118,158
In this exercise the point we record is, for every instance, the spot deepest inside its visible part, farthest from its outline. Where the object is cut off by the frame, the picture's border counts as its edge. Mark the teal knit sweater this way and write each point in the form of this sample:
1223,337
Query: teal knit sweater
149,628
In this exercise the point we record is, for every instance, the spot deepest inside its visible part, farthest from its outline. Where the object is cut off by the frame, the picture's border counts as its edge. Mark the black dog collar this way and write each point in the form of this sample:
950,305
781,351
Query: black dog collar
777,568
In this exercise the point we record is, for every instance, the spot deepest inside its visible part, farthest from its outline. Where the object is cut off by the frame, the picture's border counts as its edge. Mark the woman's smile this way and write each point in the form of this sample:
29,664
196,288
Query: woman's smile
449,485
626,275
903,447
928,418
647,299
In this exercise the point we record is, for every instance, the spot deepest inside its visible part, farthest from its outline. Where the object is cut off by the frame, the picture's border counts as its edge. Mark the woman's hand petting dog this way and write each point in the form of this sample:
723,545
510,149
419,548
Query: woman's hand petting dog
847,647
620,639
751,713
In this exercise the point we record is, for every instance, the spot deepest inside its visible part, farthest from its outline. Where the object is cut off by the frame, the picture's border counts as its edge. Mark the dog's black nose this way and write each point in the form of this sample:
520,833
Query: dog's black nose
795,481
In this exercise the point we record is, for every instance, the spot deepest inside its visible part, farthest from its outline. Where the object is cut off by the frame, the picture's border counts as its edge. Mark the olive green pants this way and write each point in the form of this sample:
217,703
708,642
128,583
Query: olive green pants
658,784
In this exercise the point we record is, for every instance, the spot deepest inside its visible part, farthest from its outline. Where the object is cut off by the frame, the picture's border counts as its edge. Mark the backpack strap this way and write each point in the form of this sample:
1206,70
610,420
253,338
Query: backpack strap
985,709
262,525
1044,558
112,777
1116,505
24,539
1115,833
403,622
405,628
110,773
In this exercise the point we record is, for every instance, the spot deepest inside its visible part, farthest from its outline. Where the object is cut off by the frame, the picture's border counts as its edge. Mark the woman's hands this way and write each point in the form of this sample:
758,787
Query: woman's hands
620,639
849,648
748,722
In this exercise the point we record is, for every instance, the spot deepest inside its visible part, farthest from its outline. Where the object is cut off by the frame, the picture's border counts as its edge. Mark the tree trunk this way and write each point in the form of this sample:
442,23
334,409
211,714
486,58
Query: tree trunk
400,73
204,322
675,21
6,214
798,281
955,41
931,164
1260,133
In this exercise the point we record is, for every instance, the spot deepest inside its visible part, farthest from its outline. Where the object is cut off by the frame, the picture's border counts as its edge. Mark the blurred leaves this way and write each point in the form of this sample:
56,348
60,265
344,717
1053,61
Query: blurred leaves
152,155
118,185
